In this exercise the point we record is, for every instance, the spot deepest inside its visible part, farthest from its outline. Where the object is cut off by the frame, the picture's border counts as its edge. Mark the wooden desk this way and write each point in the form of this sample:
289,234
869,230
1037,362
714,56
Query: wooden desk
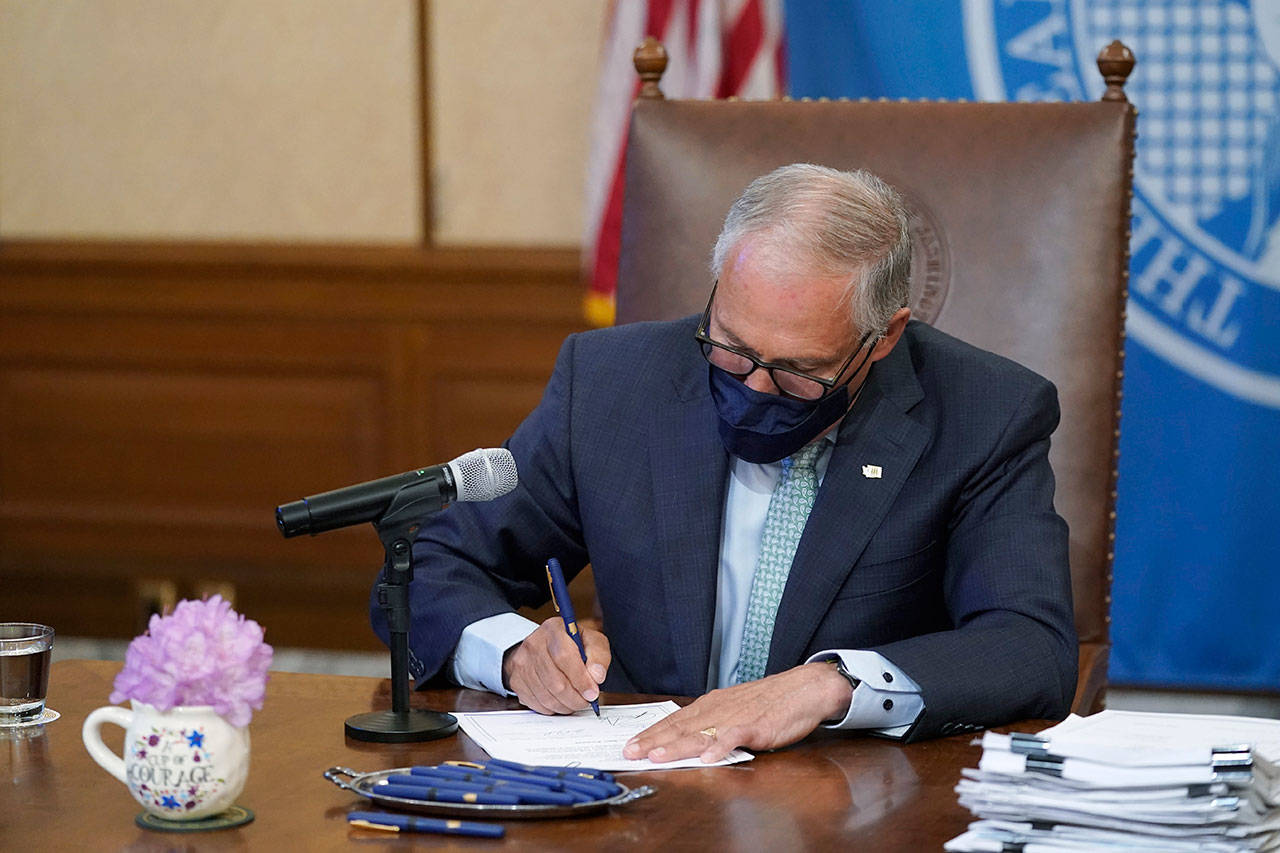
829,792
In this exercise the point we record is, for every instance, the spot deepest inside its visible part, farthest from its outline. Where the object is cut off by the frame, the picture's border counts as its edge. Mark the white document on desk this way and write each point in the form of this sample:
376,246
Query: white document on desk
1150,730
575,739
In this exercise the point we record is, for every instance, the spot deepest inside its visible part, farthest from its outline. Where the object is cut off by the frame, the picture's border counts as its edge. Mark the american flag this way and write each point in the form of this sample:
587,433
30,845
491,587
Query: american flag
716,49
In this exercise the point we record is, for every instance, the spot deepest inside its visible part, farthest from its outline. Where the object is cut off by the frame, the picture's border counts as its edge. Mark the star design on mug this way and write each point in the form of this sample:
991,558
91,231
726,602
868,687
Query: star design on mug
170,803
195,739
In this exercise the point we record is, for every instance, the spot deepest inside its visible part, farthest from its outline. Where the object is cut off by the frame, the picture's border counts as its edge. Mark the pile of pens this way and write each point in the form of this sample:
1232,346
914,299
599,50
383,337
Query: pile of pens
487,783
500,783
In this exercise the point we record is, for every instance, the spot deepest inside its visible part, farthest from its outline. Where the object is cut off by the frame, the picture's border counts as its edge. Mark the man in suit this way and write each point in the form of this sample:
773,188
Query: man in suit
801,507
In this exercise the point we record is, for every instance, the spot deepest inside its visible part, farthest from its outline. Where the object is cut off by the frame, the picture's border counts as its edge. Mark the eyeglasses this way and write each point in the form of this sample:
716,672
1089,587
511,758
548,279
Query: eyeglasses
790,382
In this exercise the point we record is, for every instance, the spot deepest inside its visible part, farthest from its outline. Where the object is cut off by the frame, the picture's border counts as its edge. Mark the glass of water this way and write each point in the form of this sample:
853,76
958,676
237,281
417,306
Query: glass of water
24,671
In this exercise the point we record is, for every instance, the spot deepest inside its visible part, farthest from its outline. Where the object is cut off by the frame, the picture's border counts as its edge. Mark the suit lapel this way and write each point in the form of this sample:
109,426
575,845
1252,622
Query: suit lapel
690,471
850,504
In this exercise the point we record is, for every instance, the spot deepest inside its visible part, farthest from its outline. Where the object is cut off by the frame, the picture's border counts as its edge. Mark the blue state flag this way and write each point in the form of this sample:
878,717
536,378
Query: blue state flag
1196,595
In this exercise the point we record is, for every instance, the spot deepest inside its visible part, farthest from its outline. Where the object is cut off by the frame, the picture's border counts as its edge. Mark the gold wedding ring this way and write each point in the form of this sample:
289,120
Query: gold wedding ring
709,731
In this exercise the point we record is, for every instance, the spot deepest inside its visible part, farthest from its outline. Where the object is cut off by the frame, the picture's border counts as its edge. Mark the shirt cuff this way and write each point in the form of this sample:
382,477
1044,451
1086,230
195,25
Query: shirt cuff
477,659
886,701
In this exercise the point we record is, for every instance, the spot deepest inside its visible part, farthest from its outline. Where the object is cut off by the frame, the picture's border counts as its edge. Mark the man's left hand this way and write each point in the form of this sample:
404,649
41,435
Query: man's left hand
767,714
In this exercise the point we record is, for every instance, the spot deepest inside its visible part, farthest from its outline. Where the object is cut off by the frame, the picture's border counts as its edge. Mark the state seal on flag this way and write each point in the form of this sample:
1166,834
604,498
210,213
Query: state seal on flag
1205,272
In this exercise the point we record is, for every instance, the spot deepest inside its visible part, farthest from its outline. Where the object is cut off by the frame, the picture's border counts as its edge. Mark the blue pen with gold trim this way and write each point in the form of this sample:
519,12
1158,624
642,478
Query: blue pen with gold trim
444,795
525,793
594,788
408,823
560,598
550,770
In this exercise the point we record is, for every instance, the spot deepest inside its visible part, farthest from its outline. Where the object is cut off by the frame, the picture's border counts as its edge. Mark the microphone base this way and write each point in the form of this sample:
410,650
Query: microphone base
400,726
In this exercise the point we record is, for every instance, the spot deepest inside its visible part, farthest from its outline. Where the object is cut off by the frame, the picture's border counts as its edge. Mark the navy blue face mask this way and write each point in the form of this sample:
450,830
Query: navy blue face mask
760,427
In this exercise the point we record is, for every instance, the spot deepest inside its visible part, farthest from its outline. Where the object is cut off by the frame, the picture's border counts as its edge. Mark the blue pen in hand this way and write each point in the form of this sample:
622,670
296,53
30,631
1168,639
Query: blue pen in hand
560,598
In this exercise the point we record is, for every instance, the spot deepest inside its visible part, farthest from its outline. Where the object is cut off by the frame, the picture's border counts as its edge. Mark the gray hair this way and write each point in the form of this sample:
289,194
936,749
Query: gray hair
829,222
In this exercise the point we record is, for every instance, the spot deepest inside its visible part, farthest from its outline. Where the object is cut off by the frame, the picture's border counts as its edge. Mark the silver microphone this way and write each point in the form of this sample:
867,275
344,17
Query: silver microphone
484,474
480,475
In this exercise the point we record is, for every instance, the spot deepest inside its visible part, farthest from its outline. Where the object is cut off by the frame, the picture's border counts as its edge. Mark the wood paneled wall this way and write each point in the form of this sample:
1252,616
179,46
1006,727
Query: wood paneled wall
157,401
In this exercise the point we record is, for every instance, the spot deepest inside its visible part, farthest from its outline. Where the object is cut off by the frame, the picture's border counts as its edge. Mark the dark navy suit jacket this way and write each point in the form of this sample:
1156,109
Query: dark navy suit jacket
952,563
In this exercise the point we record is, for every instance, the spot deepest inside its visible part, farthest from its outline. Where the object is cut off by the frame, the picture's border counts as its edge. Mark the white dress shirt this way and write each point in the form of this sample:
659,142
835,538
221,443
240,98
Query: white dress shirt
886,700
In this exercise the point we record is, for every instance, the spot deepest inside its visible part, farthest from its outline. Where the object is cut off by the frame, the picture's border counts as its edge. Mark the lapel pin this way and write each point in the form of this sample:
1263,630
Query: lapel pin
872,472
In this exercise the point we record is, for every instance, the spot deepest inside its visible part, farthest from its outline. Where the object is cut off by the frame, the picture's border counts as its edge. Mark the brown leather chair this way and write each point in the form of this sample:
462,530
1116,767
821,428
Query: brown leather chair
1020,219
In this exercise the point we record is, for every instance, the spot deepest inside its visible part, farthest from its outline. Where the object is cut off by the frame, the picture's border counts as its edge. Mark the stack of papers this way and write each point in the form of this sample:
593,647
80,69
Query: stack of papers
1127,780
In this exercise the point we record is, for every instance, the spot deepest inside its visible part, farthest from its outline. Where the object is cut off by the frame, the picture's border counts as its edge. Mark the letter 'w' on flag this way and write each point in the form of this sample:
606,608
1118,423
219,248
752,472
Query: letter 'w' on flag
715,49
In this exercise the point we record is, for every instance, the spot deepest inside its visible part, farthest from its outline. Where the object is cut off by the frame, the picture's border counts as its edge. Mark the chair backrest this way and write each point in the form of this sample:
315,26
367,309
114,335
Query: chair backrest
1020,217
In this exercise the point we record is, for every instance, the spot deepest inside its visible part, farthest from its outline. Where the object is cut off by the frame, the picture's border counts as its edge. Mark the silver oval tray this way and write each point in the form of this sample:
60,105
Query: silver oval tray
362,784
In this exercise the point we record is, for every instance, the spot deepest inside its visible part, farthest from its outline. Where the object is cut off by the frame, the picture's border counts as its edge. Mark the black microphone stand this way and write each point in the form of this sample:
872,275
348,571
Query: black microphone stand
396,529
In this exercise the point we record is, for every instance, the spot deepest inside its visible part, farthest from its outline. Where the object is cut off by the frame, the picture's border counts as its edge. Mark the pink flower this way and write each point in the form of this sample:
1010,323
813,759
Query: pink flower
204,653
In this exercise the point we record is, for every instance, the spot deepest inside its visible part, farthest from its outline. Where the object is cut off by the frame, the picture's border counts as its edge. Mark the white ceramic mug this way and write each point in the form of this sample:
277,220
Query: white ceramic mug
181,764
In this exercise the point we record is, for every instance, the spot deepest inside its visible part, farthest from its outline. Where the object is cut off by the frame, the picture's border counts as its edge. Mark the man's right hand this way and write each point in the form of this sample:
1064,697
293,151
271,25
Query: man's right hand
547,673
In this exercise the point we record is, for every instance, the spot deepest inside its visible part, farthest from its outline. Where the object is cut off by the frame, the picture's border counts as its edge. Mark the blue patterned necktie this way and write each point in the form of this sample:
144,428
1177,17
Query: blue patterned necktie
788,511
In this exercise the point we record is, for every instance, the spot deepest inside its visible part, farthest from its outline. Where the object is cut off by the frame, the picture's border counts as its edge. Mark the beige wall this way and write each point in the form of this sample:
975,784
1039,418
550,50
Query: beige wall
293,120
511,89
231,119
